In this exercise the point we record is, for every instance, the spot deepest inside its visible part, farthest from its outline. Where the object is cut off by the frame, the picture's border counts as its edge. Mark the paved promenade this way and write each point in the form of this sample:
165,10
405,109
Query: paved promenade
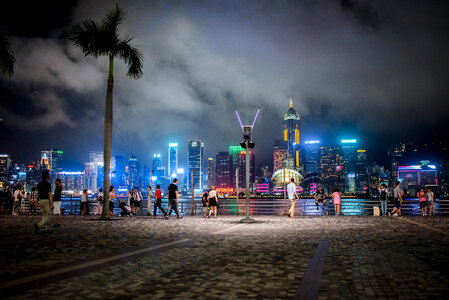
326,257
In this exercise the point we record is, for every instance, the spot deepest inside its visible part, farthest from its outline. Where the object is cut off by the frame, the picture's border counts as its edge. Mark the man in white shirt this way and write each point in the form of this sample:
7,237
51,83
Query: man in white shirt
292,196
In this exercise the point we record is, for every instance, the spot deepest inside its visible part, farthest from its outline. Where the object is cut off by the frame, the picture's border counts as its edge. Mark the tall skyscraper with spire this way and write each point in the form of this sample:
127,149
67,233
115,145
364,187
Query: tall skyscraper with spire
292,127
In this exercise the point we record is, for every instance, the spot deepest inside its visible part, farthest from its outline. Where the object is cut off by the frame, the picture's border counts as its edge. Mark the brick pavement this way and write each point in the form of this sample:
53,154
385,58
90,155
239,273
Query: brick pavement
368,258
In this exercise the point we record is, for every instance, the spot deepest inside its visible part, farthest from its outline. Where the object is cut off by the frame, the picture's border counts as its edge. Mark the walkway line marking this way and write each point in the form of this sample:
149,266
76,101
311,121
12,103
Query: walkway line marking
425,226
86,265
310,283
228,229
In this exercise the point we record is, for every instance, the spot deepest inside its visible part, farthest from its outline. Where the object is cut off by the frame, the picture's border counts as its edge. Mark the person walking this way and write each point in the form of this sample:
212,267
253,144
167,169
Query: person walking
149,199
336,198
205,200
130,196
383,196
213,201
320,196
57,202
45,200
17,199
84,206
137,199
431,201
422,197
158,202
112,197
33,200
292,196
397,194
173,199
100,201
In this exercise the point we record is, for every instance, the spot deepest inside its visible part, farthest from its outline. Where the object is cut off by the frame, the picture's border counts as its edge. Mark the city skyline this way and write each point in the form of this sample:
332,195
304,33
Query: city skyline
352,69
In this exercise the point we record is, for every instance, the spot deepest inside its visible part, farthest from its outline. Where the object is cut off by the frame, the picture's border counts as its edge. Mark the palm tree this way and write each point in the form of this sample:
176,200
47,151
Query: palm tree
98,39
7,59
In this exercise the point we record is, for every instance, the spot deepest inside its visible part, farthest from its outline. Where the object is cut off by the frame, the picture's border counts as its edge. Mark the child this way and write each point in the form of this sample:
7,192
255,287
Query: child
422,196
205,201
336,198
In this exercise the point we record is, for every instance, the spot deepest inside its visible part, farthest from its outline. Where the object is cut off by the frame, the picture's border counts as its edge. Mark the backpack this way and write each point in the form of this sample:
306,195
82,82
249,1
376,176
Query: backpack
383,195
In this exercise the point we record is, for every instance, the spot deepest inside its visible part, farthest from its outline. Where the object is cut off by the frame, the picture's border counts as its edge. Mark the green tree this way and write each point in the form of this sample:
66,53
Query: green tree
7,59
103,39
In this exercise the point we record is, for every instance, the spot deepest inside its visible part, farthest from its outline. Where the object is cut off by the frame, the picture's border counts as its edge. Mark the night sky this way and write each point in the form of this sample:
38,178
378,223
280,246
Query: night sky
374,70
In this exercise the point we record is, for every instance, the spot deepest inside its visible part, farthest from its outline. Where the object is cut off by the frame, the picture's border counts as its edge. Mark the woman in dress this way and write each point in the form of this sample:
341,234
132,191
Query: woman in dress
336,198
213,201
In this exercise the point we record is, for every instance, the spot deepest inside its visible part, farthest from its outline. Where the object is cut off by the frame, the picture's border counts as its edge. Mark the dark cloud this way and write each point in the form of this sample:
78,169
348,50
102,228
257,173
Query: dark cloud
374,69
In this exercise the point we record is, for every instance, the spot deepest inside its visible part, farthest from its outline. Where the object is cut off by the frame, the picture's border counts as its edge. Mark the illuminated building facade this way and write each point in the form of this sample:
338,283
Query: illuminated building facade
211,167
234,151
51,160
311,150
195,162
5,161
72,182
172,159
292,127
282,177
117,179
223,170
361,171
331,163
280,153
158,170
32,177
413,177
349,148
242,168
134,172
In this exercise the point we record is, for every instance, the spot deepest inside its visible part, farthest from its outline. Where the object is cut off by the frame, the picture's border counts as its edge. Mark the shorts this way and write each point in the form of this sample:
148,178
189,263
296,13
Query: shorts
321,200
204,209
397,203
136,203
57,207
423,204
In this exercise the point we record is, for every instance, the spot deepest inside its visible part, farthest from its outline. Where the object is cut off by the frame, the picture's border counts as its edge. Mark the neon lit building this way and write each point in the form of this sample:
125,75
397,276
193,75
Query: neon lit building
280,153
361,171
292,127
349,147
195,162
5,161
172,159
282,177
311,151
234,151
223,170
414,176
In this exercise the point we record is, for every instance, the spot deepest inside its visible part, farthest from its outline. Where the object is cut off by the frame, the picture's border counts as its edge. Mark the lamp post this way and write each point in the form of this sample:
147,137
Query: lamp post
249,116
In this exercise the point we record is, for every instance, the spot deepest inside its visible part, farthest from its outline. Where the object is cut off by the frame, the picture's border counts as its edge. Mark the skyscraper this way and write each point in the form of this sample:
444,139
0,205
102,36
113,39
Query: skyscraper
195,162
349,147
211,166
172,159
242,167
292,127
361,171
223,170
51,159
5,161
119,171
234,151
158,169
280,153
134,171
311,151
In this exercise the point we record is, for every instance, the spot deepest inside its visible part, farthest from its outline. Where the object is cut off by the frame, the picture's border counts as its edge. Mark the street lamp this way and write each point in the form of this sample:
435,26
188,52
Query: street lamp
248,115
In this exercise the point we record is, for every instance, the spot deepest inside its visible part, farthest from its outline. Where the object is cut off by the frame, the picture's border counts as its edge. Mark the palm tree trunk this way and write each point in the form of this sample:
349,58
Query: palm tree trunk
107,139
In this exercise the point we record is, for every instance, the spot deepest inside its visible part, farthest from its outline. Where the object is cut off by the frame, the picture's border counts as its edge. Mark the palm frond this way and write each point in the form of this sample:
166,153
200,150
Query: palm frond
7,59
132,57
113,18
90,38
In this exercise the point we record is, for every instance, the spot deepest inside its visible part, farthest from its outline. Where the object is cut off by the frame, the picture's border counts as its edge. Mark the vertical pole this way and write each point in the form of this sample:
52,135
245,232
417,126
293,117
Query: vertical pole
237,189
193,194
247,179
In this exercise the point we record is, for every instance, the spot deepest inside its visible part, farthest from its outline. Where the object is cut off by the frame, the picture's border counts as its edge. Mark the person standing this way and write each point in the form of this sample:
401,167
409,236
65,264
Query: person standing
33,200
320,196
17,198
383,196
213,201
292,196
84,207
173,199
205,200
112,197
137,199
422,197
150,199
45,201
158,202
397,194
336,198
130,196
100,201
431,201
57,202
